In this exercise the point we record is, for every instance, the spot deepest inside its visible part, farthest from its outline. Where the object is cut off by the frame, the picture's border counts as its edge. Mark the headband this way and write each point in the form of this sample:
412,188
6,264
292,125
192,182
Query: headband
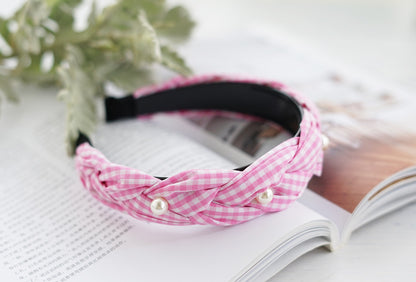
210,196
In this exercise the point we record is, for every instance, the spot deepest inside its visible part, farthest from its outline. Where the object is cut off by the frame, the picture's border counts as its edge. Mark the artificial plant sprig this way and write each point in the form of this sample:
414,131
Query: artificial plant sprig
118,45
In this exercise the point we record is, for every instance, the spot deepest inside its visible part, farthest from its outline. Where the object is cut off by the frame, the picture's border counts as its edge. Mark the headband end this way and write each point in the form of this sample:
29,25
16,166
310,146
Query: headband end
118,108
82,138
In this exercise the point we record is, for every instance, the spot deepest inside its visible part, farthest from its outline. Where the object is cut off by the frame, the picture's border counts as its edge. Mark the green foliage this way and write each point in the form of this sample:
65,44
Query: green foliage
118,45
175,24
6,89
172,60
79,96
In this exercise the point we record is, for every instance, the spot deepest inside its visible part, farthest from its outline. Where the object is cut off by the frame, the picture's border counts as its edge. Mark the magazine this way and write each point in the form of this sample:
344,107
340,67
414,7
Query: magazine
53,230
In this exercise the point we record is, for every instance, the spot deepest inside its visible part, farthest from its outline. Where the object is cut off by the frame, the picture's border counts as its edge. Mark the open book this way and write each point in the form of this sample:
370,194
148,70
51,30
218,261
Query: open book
51,229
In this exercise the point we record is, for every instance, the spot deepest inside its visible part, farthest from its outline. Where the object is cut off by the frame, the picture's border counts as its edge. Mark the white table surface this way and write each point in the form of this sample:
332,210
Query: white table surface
374,36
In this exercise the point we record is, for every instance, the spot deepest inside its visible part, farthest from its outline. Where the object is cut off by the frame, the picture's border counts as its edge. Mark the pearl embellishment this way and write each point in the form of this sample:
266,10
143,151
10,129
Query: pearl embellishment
325,142
265,197
159,206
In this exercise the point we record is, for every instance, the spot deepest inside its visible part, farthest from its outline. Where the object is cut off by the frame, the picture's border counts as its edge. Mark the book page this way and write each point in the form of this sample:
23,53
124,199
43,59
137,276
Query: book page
53,230
371,138
49,230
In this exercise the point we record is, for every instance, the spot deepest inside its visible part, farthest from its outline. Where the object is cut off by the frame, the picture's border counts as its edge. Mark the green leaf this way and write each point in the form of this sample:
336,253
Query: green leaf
7,90
62,12
52,3
119,16
29,19
153,8
79,93
92,17
4,31
128,77
176,24
173,61
34,74
146,46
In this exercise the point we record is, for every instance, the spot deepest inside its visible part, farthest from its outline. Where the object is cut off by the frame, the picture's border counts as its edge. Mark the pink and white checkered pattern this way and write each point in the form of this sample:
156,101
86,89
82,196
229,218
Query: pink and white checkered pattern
215,196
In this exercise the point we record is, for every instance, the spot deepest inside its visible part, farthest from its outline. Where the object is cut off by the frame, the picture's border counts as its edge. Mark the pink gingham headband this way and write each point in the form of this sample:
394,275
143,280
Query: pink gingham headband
210,196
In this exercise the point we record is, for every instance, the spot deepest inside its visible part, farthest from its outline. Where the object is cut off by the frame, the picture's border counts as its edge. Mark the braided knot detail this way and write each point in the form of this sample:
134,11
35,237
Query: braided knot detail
214,196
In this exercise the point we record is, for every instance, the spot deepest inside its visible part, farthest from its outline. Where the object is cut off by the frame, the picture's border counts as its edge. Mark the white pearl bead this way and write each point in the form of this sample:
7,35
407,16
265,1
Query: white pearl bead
265,197
159,206
325,142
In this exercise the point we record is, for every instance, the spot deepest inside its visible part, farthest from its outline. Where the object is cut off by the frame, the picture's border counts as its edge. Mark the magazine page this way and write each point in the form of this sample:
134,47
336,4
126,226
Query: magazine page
370,136
53,230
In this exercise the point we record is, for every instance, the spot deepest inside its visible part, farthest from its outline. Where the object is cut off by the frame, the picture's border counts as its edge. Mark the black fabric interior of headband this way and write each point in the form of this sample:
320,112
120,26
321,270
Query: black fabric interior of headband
248,98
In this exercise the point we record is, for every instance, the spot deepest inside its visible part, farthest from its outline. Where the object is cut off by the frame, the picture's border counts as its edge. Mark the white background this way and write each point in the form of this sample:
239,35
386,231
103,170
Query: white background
374,36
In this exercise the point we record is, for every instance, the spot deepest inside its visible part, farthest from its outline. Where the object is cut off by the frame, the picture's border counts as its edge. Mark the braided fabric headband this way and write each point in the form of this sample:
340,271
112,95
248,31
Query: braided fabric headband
210,196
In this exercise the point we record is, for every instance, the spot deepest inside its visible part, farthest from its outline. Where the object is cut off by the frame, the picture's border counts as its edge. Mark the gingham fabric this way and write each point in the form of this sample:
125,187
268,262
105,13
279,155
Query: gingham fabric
215,196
